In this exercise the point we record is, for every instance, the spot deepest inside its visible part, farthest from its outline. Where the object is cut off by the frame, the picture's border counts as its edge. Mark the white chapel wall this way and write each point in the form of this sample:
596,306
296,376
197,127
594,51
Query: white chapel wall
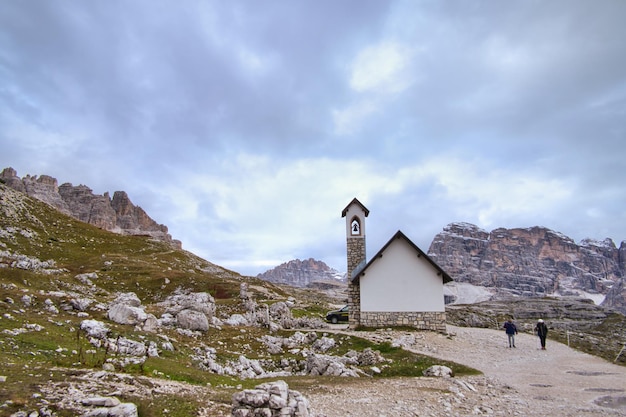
401,282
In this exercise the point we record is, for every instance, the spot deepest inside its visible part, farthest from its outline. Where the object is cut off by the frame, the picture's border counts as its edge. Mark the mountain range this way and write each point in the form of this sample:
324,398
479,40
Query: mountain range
117,214
301,273
99,323
531,262
519,262
505,263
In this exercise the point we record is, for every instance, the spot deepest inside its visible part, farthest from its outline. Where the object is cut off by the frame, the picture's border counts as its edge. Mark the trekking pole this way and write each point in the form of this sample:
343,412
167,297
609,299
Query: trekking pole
620,353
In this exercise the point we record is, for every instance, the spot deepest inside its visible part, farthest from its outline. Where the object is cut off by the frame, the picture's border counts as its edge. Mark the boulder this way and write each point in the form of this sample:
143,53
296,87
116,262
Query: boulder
127,309
128,298
237,320
151,324
80,304
202,302
439,371
192,320
325,365
121,410
101,401
95,328
323,344
126,346
124,314
270,399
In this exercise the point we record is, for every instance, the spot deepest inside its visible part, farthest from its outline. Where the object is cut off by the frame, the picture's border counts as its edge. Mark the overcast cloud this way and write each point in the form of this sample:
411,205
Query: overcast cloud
246,127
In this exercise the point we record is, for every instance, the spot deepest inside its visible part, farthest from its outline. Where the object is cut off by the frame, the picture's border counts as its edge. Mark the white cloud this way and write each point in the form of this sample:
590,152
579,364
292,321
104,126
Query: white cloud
492,195
381,68
351,119
272,211
214,116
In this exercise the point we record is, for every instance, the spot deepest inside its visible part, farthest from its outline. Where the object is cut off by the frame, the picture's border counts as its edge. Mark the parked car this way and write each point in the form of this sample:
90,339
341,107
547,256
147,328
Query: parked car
336,316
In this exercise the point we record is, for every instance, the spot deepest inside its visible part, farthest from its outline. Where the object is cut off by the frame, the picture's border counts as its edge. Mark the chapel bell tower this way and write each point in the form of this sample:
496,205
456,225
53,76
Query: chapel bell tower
355,214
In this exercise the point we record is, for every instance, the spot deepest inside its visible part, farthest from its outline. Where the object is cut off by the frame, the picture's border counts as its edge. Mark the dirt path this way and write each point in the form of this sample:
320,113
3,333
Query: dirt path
558,376
525,381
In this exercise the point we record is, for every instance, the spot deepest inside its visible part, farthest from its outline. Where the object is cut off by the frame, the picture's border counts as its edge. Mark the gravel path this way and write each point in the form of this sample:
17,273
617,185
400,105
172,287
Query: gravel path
525,381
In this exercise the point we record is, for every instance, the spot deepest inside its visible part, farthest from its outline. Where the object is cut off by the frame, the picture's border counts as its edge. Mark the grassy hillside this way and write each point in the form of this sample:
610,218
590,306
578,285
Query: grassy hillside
48,259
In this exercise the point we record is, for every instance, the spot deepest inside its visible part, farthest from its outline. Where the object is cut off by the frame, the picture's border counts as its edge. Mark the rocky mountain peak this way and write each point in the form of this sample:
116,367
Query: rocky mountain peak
534,261
117,215
301,273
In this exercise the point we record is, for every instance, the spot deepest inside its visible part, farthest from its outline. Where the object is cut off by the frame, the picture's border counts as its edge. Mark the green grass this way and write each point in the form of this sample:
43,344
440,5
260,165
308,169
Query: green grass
60,352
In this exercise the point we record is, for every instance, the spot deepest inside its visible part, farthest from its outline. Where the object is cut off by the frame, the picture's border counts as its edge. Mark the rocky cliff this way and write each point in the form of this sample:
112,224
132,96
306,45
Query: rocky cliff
532,262
117,215
299,273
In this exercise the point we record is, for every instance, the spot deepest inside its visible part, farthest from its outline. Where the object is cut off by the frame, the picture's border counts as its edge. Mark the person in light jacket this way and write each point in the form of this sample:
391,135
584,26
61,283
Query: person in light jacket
542,331
511,331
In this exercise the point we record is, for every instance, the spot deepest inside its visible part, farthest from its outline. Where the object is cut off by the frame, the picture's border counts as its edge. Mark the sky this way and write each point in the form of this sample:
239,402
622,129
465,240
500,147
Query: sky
247,127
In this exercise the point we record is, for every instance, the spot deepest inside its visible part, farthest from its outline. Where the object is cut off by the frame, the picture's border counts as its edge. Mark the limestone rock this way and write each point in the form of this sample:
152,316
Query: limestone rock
616,297
270,399
121,410
192,320
323,344
326,365
127,309
87,207
237,320
201,302
95,328
101,401
439,371
531,262
299,273
118,214
191,311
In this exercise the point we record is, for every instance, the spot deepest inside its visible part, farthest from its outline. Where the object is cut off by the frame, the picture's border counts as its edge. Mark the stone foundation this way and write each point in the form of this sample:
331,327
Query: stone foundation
428,320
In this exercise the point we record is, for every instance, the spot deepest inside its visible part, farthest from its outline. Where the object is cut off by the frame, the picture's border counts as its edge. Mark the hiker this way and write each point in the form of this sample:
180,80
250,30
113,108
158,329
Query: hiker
542,331
511,331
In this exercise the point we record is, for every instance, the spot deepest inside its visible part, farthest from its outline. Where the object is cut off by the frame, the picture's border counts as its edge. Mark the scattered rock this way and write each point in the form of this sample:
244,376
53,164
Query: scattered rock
439,371
95,328
270,399
192,320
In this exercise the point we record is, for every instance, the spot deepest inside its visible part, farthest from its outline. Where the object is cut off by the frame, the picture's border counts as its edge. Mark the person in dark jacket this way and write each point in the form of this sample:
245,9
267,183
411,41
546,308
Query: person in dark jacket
511,331
542,331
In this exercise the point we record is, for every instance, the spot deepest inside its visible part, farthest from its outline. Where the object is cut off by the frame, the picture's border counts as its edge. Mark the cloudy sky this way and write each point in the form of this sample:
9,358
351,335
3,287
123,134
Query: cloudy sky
246,126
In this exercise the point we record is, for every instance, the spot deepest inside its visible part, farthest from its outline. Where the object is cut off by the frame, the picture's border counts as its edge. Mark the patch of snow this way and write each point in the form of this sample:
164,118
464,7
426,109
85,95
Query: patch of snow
464,225
595,297
467,293
606,243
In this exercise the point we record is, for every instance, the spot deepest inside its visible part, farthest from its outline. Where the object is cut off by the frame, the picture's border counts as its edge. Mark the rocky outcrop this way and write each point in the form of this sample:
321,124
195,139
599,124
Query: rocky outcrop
270,399
191,311
616,297
117,215
87,207
532,262
299,273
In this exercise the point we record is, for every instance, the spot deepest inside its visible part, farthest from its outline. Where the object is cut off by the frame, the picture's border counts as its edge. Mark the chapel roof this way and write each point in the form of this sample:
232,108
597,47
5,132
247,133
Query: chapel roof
355,201
359,271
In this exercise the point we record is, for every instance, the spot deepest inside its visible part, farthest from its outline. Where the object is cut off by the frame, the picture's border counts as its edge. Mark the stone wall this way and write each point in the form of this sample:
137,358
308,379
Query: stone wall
354,302
356,255
428,320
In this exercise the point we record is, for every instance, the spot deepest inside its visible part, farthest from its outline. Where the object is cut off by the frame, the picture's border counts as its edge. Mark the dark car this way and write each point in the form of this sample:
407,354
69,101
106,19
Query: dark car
336,316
